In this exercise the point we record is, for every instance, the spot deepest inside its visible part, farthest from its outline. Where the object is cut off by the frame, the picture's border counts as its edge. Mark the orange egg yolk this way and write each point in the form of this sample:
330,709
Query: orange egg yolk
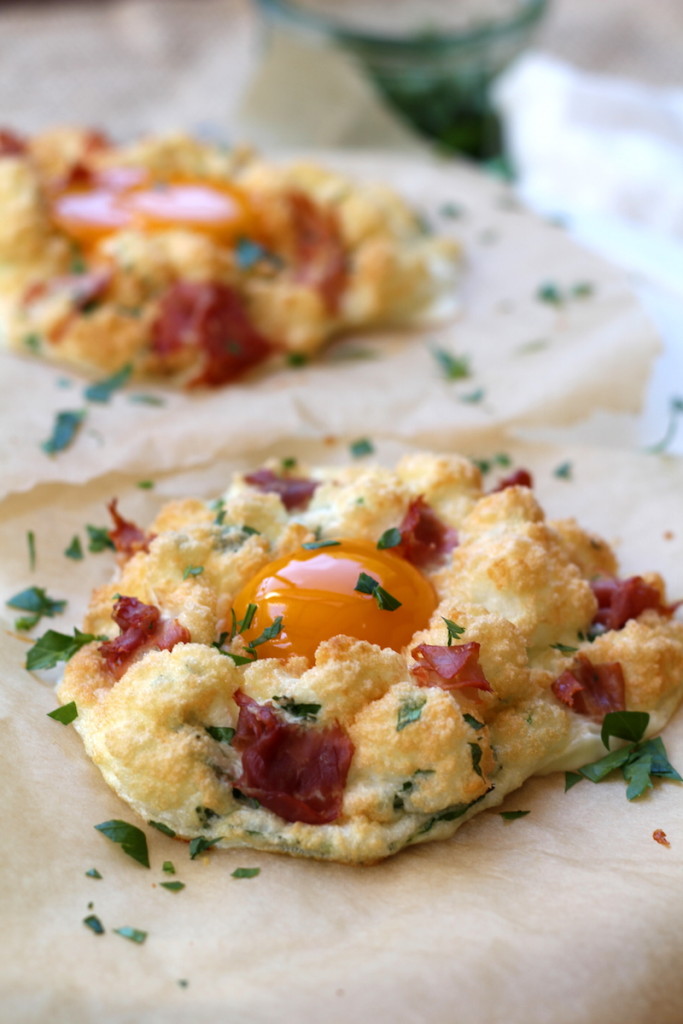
125,198
313,591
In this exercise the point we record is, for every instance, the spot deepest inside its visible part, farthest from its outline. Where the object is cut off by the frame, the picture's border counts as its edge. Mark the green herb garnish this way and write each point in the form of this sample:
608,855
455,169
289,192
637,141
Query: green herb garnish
297,359
476,759
513,815
220,733
94,924
550,293
199,844
453,367
64,431
99,539
65,714
160,827
246,872
471,720
53,647
102,390
314,545
172,886
74,550
168,867
363,446
563,471
391,538
564,648
269,633
192,570
133,934
570,779
248,253
453,630
366,584
409,711
640,760
31,542
142,399
145,485
306,711
130,838
675,409
93,873
31,342
36,601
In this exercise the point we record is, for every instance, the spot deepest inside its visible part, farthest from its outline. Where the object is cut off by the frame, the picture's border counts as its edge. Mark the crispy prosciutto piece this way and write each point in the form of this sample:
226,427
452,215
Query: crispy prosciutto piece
209,317
142,629
126,536
520,478
590,689
450,668
294,492
621,600
424,538
11,144
319,254
294,771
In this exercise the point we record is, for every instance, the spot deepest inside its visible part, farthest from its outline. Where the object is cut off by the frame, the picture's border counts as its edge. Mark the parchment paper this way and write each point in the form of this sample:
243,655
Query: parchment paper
535,363
569,914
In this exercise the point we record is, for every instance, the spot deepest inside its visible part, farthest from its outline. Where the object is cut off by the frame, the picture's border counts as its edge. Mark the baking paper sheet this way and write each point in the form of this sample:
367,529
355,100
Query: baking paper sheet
569,914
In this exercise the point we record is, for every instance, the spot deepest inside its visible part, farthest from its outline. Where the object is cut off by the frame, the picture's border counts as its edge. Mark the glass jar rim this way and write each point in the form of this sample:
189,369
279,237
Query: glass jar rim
529,13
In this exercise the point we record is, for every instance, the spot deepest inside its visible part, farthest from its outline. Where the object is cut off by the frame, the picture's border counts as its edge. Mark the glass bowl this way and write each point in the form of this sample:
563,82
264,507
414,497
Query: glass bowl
432,61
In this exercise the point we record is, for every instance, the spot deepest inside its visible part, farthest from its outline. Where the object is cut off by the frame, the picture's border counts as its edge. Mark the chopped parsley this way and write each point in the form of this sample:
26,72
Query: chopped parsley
297,359
133,934
172,886
409,711
563,471
564,648
391,538
582,290
246,872
130,838
570,779
454,631
452,367
93,873
93,922
192,570
31,342
513,815
640,760
102,390
168,867
53,647
269,633
307,712
289,462
550,293
75,549
160,827
476,759
363,446
314,545
471,720
248,253
675,409
99,539
64,431
199,844
220,733
142,399
65,714
145,485
35,601
366,584
31,542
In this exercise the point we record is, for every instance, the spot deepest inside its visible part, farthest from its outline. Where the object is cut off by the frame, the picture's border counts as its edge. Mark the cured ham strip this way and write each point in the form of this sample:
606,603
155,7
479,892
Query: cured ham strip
319,254
209,317
450,668
296,772
425,540
294,492
142,629
126,537
11,144
520,478
591,690
621,600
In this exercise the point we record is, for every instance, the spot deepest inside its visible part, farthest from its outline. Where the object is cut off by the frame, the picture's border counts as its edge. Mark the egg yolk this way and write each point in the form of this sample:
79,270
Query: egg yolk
313,591
114,201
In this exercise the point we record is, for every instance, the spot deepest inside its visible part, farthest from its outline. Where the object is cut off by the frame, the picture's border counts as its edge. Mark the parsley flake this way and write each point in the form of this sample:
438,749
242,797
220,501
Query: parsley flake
248,253
172,886
168,867
246,872
192,570
640,760
564,648
269,633
409,711
563,471
94,924
476,759
160,827
31,542
99,539
130,838
307,712
297,360
366,584
65,714
102,390
454,631
199,844
453,367
145,485
471,720
75,549
391,538
513,815
133,934
550,293
363,446
93,873
36,601
675,409
221,733
314,545
142,399
64,431
570,780
53,647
